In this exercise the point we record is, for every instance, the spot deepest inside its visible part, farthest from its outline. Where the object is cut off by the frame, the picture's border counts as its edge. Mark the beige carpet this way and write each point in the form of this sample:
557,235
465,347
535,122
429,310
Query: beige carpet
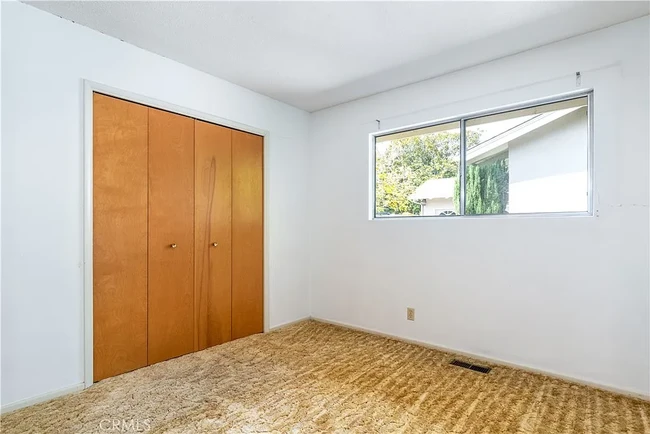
312,377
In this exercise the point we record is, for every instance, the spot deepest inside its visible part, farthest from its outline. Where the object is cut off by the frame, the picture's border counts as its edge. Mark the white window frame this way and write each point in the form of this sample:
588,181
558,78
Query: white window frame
588,93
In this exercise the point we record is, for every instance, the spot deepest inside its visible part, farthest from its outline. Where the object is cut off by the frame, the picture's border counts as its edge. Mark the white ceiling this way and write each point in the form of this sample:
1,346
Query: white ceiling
314,55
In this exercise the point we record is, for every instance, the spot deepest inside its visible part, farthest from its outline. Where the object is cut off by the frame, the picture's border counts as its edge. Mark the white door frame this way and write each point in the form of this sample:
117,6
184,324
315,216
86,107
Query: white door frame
88,88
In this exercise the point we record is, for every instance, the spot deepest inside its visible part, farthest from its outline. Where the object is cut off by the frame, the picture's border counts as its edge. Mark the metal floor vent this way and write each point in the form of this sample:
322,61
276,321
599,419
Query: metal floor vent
477,368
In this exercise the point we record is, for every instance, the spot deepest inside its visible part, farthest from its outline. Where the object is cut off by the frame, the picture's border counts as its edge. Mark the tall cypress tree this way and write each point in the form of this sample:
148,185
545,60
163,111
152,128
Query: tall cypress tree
486,188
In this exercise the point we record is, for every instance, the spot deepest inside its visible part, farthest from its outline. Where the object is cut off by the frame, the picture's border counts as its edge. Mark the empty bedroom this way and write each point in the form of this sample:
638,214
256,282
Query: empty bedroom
325,217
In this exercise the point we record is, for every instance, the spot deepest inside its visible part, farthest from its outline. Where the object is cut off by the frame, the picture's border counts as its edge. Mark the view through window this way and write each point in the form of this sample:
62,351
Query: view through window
530,160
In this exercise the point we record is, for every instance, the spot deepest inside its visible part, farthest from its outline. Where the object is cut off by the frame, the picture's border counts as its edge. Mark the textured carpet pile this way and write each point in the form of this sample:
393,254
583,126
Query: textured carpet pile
317,378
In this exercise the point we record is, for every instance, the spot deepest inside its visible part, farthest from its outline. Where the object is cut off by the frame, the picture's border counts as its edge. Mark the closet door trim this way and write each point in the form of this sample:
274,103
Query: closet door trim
90,87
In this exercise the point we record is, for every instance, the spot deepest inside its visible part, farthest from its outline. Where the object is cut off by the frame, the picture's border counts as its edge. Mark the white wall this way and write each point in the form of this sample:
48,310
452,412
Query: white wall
1,7
44,60
548,167
566,295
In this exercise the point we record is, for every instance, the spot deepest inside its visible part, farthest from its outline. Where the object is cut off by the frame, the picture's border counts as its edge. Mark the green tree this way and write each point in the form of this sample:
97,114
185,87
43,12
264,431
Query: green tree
486,188
407,163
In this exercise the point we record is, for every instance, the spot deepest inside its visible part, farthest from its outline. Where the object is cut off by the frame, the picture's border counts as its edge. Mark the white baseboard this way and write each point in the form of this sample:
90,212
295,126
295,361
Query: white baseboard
77,387
490,360
16,405
289,323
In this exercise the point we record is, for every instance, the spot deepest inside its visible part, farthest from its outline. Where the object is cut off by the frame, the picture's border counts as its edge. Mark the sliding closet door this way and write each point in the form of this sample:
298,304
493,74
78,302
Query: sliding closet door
119,236
212,243
171,235
247,234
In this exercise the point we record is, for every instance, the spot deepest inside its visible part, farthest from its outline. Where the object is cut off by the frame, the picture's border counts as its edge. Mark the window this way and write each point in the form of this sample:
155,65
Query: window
525,160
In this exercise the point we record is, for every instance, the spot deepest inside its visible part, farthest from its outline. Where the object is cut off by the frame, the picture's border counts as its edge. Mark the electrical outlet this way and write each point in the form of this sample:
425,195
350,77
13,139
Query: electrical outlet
410,314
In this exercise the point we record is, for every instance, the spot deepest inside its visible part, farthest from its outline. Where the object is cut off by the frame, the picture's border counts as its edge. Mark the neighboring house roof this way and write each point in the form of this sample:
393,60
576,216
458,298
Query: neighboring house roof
442,188
499,143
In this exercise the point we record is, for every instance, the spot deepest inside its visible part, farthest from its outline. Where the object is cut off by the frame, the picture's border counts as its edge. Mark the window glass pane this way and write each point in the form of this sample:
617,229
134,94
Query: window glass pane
416,172
531,160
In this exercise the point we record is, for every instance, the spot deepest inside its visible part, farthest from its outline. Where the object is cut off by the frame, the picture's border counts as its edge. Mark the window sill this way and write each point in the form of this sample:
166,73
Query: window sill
491,216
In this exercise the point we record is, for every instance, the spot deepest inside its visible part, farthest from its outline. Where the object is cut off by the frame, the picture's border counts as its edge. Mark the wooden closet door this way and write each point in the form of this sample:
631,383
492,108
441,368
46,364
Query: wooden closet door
247,234
171,235
119,236
212,263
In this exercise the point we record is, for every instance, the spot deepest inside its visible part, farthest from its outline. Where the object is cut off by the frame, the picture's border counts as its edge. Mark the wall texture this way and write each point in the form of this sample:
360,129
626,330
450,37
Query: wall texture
565,295
44,61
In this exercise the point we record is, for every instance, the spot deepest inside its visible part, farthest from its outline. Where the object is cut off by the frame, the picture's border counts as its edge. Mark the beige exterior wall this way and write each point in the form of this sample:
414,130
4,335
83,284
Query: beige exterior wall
436,206
548,167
